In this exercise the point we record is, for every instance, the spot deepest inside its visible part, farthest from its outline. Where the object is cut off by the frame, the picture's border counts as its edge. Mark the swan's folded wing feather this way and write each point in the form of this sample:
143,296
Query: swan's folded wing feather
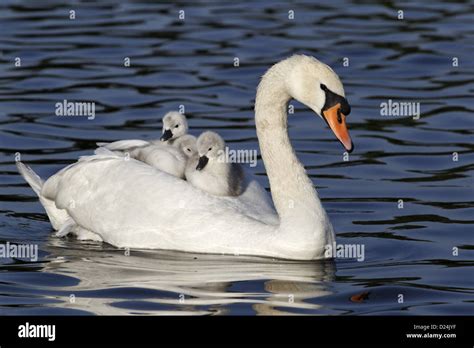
122,145
104,152
256,203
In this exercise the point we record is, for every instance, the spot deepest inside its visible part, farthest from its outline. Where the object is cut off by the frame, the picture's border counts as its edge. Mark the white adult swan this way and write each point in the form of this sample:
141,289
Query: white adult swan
130,204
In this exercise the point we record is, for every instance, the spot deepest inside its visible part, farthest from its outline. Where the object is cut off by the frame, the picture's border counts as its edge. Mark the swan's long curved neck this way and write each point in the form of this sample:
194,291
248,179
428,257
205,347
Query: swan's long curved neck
294,196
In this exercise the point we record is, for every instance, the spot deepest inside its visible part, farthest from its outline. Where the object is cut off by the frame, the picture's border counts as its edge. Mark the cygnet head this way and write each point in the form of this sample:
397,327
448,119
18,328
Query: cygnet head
210,146
316,85
175,125
187,144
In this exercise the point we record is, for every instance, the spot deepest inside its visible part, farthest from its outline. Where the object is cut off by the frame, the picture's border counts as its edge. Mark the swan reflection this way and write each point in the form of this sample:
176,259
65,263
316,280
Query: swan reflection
173,283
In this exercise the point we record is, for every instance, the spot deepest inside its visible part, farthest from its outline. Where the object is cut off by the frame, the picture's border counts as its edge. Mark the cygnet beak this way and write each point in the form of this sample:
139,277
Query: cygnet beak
202,162
166,135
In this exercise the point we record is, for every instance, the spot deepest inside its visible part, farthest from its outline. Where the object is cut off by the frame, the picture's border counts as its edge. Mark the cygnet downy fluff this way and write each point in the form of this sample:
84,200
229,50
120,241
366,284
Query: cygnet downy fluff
209,169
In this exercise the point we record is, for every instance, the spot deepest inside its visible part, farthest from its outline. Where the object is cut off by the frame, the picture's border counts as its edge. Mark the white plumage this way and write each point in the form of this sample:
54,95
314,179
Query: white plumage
128,203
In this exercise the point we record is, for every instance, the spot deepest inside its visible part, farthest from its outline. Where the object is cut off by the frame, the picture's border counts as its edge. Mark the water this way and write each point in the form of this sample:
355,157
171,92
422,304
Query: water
408,251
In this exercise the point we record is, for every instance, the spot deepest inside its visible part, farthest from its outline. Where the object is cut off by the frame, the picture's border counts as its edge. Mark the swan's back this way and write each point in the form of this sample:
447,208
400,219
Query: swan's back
155,209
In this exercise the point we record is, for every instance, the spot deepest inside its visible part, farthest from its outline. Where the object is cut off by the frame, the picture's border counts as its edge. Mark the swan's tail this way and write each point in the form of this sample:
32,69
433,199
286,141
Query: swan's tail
58,217
30,177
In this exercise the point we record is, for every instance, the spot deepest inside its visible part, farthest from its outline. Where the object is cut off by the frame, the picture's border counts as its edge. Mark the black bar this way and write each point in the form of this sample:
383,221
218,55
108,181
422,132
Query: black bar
241,330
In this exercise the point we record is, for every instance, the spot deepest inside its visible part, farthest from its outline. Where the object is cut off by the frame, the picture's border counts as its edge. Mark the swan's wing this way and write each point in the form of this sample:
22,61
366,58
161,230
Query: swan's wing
129,203
256,203
123,145
105,152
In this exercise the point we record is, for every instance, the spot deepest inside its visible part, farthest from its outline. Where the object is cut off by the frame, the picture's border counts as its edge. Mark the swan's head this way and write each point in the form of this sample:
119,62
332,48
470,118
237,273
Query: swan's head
174,126
210,146
187,144
316,85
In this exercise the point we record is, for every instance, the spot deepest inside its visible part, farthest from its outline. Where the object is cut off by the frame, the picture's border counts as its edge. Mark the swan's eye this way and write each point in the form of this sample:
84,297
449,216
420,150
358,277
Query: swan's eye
176,126
323,87
345,107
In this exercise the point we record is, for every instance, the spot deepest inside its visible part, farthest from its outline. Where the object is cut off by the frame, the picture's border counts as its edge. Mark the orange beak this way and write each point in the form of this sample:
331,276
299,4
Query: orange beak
337,122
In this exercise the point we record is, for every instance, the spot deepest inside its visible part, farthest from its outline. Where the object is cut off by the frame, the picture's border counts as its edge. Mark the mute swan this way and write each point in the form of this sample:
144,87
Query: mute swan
131,204
175,125
209,170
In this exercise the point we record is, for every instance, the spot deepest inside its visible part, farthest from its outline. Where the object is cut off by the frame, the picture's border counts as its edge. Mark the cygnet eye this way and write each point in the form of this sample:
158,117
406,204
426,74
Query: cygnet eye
176,126
209,149
188,149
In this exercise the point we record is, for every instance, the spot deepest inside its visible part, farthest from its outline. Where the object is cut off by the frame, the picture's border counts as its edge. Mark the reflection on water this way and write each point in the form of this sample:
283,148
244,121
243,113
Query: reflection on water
409,247
108,281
